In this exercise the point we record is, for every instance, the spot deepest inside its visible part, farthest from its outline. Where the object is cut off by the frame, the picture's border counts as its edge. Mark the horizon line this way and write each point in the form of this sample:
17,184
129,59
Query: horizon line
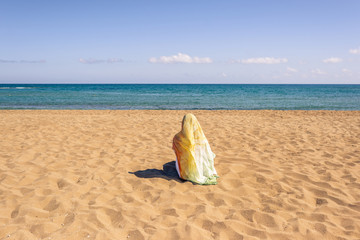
179,83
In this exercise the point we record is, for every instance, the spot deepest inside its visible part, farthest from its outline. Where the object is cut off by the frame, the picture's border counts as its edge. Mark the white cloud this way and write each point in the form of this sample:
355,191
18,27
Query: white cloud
289,69
90,61
180,58
263,60
332,60
355,51
95,61
318,72
345,70
234,61
22,61
114,60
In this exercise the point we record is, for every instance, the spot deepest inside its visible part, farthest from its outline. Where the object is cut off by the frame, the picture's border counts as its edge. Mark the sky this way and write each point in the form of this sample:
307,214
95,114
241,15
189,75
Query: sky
197,41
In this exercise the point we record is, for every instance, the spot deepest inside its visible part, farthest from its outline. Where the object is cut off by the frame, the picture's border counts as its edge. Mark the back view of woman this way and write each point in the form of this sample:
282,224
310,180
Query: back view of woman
194,158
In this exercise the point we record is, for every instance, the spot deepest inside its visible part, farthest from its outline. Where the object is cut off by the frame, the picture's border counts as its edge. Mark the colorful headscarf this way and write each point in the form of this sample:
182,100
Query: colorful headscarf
194,158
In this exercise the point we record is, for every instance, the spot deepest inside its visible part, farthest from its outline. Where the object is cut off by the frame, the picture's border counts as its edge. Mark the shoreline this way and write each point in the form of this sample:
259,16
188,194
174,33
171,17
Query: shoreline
174,110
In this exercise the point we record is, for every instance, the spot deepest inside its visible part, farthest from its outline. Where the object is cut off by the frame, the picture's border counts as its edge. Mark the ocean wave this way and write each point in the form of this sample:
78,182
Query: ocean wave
16,87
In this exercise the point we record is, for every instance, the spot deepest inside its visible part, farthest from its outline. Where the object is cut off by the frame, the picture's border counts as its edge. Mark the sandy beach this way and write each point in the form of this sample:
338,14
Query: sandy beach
73,174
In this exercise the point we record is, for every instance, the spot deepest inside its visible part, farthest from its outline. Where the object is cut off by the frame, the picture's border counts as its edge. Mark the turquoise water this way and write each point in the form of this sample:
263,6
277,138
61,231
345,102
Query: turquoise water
179,96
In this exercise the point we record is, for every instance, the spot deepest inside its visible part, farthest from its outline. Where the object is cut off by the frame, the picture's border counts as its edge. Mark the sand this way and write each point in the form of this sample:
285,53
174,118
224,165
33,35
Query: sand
111,175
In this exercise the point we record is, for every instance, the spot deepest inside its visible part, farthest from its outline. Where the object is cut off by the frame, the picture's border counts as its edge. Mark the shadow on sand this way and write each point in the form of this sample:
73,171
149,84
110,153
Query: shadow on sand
169,172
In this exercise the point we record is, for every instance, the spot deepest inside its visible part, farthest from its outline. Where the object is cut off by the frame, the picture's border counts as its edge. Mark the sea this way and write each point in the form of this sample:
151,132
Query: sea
180,96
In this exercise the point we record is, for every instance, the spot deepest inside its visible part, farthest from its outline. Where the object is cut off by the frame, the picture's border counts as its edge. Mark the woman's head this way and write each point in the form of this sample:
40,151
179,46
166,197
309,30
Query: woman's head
188,121
191,128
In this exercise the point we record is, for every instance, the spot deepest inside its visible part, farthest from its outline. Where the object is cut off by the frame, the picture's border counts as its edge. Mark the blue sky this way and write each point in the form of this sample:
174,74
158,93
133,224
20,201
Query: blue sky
198,41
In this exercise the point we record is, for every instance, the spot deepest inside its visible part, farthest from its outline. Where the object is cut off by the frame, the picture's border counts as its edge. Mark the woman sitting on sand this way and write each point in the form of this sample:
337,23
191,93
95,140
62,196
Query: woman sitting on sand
194,158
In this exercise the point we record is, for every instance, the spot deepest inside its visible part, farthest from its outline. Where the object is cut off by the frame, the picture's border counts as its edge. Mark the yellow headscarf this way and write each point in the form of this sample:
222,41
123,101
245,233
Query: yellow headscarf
194,158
